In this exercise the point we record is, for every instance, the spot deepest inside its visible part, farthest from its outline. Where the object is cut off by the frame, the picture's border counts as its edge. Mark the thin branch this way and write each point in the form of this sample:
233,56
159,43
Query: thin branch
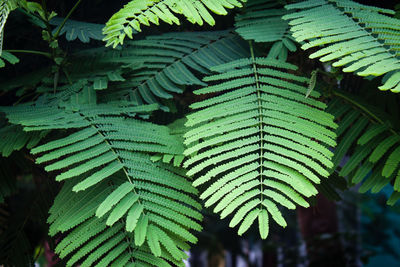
30,52
363,109
66,18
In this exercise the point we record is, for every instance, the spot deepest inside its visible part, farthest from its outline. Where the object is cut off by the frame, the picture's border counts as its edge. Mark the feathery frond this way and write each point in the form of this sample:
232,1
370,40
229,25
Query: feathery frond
257,141
370,141
4,11
14,138
134,73
159,66
259,137
88,239
262,21
108,143
178,56
143,12
177,130
6,6
362,39
7,56
74,29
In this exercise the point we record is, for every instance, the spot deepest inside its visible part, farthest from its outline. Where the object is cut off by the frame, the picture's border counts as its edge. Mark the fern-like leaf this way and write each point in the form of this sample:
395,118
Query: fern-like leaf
372,144
251,25
73,29
136,73
258,141
360,38
4,11
139,12
89,240
107,143
6,6
7,57
14,138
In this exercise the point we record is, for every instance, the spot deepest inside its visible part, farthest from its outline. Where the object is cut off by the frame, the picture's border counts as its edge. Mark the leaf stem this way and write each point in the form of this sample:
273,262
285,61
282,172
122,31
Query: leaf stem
363,109
66,18
260,122
30,52
358,105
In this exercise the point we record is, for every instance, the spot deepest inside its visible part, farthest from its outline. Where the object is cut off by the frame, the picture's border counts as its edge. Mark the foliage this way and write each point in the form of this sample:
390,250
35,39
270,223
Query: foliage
359,37
257,149
124,131
73,30
251,26
136,13
375,146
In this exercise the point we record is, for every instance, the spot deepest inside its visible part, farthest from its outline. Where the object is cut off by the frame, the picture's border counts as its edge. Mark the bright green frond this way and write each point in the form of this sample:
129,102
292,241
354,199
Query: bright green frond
242,142
360,38
136,13
90,239
107,161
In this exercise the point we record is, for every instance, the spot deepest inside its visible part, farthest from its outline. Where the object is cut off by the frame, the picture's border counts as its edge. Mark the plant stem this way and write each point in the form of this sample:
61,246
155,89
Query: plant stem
260,120
66,18
358,105
30,52
364,109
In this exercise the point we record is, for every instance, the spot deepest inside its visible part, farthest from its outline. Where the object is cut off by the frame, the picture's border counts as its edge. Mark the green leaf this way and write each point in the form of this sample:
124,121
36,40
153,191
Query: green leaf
121,208
133,216
134,14
114,198
342,39
256,128
153,242
141,230
263,223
